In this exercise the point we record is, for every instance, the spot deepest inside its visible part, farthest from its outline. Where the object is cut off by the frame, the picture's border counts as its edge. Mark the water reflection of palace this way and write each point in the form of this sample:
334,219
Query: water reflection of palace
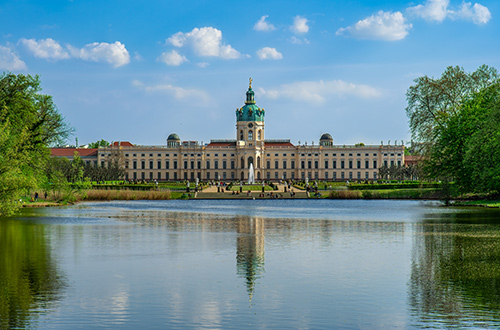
250,250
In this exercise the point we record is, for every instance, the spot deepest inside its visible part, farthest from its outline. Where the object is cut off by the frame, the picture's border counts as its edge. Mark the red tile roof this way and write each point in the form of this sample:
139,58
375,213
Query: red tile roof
69,152
412,160
121,144
221,144
278,144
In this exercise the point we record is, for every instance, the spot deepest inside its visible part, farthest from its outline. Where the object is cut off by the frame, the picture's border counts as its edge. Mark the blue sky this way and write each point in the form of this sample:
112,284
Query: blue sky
139,70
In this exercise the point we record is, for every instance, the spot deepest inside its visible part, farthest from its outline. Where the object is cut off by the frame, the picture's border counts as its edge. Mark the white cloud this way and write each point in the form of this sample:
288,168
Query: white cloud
115,54
437,10
432,10
318,92
205,41
180,93
10,61
48,49
298,41
262,25
382,25
299,25
202,64
478,14
268,53
172,58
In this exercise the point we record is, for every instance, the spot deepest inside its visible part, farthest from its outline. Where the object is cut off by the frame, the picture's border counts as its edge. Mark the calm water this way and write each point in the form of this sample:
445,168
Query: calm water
270,264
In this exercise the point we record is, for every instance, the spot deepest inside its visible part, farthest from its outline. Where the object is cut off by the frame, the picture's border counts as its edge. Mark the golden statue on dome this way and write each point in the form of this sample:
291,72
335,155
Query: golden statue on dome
250,85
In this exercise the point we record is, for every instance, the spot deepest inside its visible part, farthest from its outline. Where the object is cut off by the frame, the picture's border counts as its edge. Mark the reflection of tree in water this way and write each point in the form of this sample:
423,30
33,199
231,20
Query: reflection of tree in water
455,275
28,276
250,251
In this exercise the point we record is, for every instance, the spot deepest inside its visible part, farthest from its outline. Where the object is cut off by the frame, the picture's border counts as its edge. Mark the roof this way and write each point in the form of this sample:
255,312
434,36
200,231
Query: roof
412,159
221,144
121,144
278,144
70,152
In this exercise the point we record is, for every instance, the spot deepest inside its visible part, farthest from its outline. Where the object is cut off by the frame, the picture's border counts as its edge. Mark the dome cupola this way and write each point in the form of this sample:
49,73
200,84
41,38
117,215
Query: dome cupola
250,111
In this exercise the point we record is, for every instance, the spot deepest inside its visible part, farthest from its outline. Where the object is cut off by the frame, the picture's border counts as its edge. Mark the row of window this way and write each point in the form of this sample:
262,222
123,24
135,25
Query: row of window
232,176
197,165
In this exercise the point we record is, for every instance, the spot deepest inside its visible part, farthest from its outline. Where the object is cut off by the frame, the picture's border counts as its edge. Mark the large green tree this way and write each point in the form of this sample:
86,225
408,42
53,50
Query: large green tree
29,124
431,101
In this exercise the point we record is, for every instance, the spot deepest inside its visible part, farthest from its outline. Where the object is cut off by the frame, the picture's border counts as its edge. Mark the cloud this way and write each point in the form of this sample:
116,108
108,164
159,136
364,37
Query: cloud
299,25
478,14
202,64
115,54
179,93
268,53
262,25
205,41
298,41
48,49
382,25
10,61
318,92
432,10
437,10
172,58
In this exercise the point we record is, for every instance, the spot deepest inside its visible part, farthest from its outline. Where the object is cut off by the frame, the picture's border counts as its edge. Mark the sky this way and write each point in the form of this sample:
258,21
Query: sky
139,70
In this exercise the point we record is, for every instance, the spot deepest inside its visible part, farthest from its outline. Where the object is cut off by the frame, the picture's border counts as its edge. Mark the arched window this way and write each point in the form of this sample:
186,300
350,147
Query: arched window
258,161
241,134
259,135
242,162
250,135
250,161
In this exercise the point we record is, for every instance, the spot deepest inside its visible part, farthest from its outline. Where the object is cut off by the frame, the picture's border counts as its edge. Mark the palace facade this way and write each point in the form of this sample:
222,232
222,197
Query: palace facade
272,159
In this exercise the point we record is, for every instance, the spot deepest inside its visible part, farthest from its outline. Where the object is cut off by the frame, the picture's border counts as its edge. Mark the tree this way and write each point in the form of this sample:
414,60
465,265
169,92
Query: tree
467,148
431,101
29,123
100,143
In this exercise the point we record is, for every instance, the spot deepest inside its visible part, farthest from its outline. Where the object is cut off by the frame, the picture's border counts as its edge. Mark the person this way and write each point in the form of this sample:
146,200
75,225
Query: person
45,194
36,196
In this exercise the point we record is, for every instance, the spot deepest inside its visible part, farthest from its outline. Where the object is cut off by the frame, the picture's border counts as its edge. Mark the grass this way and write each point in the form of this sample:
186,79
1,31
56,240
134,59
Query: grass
482,202
425,193
126,194
253,187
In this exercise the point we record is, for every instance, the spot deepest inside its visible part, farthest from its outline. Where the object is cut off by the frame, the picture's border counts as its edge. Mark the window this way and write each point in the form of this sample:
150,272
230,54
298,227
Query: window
216,176
199,165
224,165
326,164
375,175
358,163
250,135
216,155
302,164
326,175
275,164
232,165
232,175
224,175
175,167
276,175
284,164
167,176
167,164
150,155
334,164
150,164
192,164
342,164
185,176
159,155
293,175
292,164
392,163
143,175
135,165
316,165
316,175
241,134
185,164
350,164
208,175
334,177
385,163
150,175
142,155
268,164
359,155
367,175
399,163
350,175
359,175
268,175
367,164
143,164
303,175
159,176
309,164
259,135
159,164
374,164
135,176
208,165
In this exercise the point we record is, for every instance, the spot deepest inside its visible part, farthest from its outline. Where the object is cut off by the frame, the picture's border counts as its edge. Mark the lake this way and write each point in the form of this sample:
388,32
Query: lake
251,264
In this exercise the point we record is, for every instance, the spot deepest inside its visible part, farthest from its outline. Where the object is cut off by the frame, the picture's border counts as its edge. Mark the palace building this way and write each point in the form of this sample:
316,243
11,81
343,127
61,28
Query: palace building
230,159
272,159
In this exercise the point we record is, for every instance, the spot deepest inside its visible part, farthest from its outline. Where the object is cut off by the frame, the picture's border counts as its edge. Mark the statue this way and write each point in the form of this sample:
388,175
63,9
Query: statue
250,85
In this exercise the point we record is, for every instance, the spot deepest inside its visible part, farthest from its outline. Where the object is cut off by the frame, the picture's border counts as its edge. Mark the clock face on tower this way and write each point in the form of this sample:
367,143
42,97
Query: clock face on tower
250,125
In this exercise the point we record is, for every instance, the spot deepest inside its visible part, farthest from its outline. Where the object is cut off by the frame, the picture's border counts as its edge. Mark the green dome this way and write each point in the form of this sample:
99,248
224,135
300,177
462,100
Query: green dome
250,111
326,136
174,137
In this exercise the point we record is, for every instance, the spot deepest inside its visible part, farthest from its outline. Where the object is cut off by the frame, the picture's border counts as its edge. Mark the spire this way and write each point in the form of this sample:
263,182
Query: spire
250,93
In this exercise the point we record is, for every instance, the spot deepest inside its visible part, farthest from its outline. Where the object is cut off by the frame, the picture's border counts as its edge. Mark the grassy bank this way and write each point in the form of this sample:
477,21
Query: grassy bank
424,193
126,194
